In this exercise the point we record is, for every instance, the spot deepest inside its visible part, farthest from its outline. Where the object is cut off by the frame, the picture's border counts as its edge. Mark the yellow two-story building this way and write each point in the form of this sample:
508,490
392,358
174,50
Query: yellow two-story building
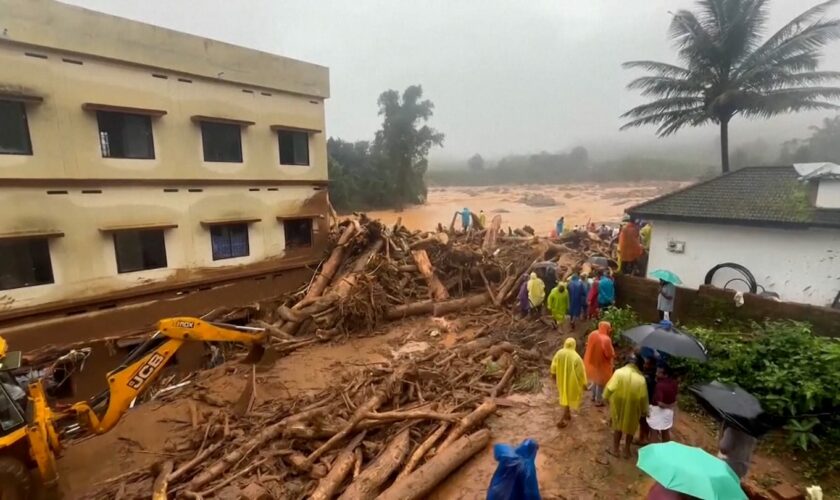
135,158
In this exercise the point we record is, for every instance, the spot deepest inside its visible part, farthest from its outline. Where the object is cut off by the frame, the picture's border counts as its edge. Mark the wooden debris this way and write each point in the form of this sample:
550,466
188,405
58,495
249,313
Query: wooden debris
367,485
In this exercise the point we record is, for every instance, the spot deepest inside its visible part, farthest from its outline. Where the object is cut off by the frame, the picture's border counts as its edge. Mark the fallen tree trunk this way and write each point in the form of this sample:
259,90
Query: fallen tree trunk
328,270
492,233
436,289
422,449
367,485
412,415
269,433
466,423
382,395
161,481
421,482
341,468
436,308
504,382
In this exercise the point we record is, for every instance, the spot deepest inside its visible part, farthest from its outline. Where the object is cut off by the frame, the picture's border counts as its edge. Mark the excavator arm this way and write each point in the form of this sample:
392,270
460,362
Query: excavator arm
146,362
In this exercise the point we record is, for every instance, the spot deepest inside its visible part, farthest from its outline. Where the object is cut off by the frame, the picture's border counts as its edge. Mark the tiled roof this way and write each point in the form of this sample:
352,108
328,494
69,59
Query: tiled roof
764,196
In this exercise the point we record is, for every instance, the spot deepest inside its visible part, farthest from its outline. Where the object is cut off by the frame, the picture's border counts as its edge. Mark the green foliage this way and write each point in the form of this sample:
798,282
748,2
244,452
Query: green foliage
792,372
727,70
389,171
476,163
530,382
621,318
823,145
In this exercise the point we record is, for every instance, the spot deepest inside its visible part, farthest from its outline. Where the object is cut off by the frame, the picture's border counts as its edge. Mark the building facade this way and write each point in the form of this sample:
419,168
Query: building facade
782,224
135,158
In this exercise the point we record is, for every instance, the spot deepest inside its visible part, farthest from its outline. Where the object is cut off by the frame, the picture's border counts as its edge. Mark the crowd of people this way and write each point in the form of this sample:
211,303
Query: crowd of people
581,298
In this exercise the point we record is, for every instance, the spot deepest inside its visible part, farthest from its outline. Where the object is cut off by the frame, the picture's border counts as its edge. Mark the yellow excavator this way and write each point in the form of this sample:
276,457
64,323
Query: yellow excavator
29,435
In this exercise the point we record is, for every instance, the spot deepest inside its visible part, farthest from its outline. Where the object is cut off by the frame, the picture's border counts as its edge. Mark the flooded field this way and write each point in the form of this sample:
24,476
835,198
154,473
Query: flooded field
578,203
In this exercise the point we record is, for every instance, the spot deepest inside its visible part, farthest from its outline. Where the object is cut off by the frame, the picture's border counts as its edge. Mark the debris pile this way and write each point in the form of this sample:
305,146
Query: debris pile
388,430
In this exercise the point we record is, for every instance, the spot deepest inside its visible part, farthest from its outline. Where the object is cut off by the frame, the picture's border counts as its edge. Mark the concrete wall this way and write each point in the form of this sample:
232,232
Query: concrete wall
709,305
828,193
801,265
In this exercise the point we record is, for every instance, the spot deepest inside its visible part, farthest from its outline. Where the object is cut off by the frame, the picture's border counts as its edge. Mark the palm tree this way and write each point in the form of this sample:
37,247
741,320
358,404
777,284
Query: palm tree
727,70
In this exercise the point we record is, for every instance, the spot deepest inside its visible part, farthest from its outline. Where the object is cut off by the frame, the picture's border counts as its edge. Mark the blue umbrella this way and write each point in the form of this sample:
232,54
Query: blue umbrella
670,277
664,337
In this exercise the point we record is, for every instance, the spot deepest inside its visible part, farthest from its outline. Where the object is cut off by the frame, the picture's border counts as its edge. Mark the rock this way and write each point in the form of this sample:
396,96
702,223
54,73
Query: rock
785,491
538,200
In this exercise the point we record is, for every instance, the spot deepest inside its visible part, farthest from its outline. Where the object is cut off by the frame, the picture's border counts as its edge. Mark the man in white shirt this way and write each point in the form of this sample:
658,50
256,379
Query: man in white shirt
665,301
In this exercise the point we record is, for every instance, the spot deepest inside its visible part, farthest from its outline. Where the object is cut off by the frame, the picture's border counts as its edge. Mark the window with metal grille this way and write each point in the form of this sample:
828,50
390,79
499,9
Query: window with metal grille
24,263
139,249
14,129
229,241
294,147
125,135
222,142
298,233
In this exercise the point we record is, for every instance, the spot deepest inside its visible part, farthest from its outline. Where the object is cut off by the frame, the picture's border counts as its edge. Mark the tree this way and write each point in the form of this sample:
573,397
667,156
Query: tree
402,146
823,145
476,163
728,71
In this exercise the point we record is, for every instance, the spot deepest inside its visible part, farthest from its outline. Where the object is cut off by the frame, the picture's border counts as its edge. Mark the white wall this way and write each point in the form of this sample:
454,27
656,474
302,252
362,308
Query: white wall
828,193
801,265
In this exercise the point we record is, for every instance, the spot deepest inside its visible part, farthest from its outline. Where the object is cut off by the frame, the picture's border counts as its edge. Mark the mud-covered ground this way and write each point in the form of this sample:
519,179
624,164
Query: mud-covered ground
572,462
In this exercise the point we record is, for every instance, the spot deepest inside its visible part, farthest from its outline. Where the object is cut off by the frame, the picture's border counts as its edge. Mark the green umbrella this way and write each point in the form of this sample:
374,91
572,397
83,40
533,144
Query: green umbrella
668,276
690,470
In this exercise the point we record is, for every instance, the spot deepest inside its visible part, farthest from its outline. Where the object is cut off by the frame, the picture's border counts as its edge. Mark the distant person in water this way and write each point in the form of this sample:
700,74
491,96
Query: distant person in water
466,218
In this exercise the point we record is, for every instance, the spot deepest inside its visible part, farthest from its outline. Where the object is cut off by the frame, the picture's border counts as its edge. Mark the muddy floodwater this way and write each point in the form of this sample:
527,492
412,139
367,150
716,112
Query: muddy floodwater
578,203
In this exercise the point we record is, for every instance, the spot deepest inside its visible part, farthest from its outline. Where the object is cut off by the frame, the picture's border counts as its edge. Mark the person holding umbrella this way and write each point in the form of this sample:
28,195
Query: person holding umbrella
667,293
626,393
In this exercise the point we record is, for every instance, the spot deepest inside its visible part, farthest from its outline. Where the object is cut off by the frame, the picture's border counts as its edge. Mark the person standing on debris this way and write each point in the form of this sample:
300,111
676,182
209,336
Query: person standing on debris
482,219
629,247
592,297
598,360
577,299
466,218
626,393
536,294
644,236
736,449
567,368
558,304
606,291
524,301
558,226
665,300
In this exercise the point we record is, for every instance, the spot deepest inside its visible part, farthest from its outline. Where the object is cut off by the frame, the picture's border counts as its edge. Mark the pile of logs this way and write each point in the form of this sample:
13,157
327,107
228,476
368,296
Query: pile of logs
391,430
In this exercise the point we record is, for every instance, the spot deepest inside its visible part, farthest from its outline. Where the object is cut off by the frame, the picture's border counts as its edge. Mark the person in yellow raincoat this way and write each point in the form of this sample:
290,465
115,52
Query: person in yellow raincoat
536,293
567,368
626,393
558,304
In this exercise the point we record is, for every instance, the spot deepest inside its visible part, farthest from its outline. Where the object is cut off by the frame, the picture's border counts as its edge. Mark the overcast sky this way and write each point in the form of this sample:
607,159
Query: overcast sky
506,76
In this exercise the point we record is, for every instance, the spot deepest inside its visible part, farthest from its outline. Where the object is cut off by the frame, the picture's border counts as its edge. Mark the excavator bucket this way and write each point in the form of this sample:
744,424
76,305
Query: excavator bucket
255,354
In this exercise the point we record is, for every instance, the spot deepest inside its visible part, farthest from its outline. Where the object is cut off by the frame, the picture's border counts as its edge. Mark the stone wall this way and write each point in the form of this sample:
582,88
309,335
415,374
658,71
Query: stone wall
708,305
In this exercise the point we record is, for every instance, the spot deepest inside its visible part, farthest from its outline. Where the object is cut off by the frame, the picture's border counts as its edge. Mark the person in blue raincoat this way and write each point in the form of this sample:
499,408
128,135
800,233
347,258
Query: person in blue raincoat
466,218
577,299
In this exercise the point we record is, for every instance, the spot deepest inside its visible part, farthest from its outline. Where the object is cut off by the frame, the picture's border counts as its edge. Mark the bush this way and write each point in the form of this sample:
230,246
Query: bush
792,372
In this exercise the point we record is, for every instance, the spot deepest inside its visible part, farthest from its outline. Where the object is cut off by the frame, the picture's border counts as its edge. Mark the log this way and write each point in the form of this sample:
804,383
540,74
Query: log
161,481
267,434
436,308
412,309
420,483
504,382
203,454
382,395
341,468
466,423
492,233
336,258
367,485
437,291
413,415
422,449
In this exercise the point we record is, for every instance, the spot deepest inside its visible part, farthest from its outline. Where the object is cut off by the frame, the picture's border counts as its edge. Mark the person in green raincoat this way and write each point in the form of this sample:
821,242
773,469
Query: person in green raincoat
627,394
567,368
558,304
536,293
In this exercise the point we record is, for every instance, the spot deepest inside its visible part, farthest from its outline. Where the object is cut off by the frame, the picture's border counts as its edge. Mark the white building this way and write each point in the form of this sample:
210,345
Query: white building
780,223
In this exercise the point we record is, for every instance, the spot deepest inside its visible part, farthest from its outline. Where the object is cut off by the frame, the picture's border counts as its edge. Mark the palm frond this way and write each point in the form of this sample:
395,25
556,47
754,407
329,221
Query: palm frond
780,78
694,43
768,104
661,68
660,86
671,121
670,104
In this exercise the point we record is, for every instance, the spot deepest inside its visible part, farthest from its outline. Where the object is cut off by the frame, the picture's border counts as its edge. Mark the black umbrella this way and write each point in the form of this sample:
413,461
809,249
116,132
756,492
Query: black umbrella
733,405
600,261
664,337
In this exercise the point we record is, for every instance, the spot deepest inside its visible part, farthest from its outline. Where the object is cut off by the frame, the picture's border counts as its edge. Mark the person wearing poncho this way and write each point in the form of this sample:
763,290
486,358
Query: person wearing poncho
536,292
598,360
626,392
558,304
567,368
